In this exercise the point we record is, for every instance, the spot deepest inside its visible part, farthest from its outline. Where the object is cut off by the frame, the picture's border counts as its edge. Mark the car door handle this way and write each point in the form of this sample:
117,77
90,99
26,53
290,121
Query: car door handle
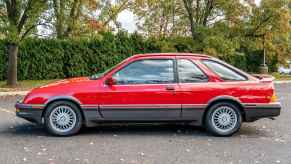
170,88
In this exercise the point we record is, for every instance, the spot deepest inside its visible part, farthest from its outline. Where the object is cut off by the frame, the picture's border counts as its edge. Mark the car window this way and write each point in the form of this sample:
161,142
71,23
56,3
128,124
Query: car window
223,72
189,72
148,71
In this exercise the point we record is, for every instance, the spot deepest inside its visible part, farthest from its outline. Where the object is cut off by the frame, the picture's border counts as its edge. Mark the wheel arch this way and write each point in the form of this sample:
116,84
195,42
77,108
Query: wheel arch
228,99
64,98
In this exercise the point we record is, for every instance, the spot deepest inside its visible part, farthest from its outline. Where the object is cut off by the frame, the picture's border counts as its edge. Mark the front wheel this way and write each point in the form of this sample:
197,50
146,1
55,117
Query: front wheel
223,119
63,118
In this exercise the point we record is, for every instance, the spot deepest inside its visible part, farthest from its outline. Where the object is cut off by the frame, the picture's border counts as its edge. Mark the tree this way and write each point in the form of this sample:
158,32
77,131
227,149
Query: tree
160,18
110,11
268,28
66,16
183,17
76,17
204,13
18,19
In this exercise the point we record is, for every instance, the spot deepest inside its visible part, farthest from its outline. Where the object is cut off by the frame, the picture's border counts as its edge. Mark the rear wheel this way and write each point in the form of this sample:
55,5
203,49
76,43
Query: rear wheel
63,118
223,119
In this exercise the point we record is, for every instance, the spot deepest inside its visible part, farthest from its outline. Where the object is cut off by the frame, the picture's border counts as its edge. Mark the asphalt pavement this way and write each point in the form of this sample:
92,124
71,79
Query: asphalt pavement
264,141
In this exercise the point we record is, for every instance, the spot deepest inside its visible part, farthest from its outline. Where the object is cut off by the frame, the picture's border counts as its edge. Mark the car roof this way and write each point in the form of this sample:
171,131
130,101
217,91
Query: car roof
198,56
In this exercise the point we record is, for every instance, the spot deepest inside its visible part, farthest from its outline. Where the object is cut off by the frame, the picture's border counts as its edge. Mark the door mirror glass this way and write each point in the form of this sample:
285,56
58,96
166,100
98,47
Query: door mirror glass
110,81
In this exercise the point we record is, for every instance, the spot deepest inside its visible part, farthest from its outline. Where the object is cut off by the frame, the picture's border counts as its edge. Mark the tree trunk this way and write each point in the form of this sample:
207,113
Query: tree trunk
192,26
188,7
12,65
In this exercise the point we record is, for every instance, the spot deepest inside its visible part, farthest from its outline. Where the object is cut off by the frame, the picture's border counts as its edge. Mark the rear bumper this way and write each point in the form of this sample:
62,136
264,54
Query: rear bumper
254,112
29,112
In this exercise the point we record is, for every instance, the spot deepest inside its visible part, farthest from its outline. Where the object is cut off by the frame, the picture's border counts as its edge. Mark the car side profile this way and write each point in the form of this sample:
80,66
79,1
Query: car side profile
163,87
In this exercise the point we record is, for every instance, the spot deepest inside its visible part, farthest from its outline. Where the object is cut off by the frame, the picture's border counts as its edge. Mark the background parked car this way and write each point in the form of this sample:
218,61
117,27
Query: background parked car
284,70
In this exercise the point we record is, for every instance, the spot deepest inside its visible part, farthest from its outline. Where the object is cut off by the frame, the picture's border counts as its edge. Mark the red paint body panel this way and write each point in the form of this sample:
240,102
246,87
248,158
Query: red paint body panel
86,91
139,94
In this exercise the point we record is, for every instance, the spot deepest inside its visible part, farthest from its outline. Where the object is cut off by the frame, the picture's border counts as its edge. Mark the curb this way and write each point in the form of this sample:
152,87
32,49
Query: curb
282,82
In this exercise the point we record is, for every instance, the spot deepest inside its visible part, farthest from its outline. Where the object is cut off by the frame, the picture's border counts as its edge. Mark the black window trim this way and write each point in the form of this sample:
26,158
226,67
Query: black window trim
196,66
174,71
221,63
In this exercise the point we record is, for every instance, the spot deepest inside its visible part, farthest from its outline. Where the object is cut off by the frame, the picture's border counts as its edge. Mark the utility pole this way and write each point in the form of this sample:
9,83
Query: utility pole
264,68
264,58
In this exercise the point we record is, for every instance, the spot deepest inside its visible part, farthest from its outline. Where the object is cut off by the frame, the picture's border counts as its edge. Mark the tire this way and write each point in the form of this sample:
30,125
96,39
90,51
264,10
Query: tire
223,119
63,118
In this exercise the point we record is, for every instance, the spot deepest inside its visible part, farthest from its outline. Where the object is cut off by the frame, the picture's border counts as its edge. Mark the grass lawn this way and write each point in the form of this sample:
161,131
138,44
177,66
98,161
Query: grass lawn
281,77
24,85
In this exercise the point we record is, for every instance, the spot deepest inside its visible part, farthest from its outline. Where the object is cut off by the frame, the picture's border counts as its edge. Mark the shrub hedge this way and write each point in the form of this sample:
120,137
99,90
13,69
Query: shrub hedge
52,58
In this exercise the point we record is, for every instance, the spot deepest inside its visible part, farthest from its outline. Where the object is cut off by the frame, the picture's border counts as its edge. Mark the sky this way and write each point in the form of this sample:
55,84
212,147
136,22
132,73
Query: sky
128,20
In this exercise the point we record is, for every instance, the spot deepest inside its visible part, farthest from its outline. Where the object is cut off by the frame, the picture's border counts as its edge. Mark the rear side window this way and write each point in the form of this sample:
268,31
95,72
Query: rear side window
223,72
189,72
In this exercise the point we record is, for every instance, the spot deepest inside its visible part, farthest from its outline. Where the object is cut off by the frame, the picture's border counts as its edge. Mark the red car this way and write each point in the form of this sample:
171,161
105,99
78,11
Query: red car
179,87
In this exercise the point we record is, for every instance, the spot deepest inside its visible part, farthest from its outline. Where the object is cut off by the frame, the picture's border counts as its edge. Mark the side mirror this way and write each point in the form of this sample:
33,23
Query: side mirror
110,81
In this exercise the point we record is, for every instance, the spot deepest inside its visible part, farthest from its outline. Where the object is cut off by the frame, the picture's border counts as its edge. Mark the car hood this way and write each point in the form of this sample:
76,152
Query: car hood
66,82
67,87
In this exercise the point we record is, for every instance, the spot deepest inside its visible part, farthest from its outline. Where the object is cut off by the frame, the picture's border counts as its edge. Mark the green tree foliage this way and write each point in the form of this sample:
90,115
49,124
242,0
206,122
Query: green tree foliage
84,57
221,28
17,20
269,27
77,18
160,18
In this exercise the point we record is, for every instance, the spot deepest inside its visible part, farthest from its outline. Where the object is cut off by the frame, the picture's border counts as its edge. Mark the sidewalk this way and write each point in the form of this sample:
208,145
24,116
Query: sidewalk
14,93
282,82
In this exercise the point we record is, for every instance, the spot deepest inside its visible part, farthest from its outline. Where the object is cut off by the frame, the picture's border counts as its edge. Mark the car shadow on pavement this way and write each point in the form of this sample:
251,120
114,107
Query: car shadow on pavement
23,129
145,129
28,129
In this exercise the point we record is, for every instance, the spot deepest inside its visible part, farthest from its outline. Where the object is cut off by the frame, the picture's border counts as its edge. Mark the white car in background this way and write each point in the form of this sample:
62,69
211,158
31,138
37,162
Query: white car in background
283,70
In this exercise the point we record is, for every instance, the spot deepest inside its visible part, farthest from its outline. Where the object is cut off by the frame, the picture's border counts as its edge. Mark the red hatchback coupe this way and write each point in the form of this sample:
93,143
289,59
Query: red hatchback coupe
180,87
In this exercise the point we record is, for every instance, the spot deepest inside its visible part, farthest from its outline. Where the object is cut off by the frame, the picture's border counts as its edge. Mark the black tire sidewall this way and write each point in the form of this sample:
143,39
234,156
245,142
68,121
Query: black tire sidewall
47,114
209,124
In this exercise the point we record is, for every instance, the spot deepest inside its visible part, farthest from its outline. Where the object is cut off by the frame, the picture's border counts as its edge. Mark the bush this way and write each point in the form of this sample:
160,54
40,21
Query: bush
3,60
53,58
41,59
254,61
237,59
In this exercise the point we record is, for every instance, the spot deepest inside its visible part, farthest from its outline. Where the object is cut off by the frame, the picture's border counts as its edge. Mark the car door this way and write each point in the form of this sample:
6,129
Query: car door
145,89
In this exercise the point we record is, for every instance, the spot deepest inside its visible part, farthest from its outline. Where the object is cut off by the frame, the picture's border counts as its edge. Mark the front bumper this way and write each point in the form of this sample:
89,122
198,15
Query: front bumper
29,112
254,112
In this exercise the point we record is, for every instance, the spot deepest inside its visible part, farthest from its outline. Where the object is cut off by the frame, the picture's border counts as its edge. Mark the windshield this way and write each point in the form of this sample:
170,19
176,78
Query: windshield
99,75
